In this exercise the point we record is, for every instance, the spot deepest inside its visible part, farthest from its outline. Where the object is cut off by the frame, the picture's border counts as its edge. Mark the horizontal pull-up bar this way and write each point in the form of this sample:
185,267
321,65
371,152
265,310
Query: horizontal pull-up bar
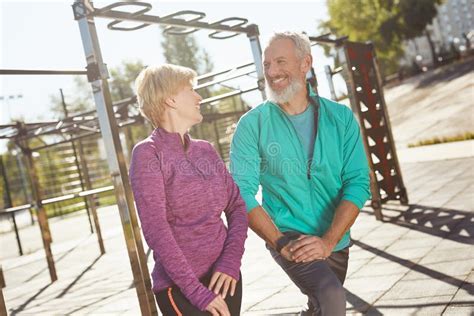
58,199
176,23
41,72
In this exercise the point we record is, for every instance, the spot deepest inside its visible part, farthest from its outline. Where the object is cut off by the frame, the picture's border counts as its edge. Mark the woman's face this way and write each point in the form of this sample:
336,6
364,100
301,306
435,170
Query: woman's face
187,105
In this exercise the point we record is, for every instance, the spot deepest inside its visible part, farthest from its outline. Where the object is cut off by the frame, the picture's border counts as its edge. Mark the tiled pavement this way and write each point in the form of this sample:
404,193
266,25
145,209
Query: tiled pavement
418,261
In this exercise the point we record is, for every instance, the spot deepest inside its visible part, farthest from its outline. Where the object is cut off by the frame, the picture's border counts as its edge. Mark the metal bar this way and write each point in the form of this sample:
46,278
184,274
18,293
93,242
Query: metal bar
17,234
116,162
327,70
257,57
216,131
347,64
153,19
71,121
391,140
90,197
7,200
40,211
227,95
16,208
210,83
97,191
52,176
73,126
2,281
41,72
220,72
59,199
76,162
138,120
24,184
3,308
65,141
325,39
216,116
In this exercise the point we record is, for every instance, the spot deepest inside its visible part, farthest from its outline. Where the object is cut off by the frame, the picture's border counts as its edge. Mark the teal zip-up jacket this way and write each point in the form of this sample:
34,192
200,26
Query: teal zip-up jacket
300,195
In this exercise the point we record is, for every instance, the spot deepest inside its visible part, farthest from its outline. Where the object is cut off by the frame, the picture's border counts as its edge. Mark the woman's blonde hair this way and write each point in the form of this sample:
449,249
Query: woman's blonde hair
155,84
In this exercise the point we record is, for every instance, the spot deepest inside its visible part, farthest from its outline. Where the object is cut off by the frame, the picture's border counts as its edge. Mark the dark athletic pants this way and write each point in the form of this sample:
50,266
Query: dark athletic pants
320,280
173,303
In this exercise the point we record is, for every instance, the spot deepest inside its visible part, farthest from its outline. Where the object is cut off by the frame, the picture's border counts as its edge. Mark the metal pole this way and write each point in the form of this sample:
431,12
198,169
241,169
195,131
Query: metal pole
216,131
24,185
328,71
51,175
7,200
66,114
3,308
40,211
17,234
257,57
8,203
90,198
403,193
97,76
2,278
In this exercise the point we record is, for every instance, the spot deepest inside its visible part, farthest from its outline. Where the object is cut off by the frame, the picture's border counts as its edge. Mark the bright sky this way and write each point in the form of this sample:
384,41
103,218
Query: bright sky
44,35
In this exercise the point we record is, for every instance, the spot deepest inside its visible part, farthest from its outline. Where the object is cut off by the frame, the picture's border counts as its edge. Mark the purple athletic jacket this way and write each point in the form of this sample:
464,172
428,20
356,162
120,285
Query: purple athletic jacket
180,196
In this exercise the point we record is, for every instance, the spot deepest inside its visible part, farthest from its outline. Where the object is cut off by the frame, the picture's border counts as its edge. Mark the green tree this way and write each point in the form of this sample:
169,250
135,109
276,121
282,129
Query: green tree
409,20
122,78
183,50
360,20
387,23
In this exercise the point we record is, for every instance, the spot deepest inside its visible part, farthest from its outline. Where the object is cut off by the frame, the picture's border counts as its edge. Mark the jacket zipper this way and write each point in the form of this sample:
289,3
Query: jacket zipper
190,162
316,117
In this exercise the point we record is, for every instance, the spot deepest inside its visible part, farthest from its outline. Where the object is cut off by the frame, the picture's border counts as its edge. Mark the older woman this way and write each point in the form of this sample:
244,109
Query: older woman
181,187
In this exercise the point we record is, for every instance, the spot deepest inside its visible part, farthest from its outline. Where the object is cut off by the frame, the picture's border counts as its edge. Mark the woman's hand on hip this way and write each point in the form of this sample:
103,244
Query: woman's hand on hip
222,284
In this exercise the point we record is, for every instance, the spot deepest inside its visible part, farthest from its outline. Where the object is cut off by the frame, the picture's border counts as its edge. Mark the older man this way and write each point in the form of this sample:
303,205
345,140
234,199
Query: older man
307,154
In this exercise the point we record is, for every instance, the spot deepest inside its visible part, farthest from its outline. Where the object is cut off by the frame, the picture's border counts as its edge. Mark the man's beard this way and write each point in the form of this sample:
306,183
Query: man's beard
285,95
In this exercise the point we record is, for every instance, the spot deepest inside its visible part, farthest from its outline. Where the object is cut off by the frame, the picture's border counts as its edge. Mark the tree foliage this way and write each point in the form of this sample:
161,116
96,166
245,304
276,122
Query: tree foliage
408,19
183,50
387,23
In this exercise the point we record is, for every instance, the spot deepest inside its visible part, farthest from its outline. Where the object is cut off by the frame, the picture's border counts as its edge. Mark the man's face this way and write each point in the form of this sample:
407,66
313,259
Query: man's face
285,73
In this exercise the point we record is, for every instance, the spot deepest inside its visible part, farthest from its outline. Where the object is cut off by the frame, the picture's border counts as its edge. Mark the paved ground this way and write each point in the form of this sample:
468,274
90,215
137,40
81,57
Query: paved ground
434,104
419,261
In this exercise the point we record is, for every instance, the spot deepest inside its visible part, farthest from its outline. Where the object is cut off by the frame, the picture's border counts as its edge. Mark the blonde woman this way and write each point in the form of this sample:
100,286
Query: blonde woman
181,187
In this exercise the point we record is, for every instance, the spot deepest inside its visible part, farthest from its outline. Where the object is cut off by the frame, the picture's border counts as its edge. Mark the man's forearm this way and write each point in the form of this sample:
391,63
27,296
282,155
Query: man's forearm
261,223
345,215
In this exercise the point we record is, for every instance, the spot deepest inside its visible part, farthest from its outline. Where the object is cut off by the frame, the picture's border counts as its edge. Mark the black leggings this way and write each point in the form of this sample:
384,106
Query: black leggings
173,303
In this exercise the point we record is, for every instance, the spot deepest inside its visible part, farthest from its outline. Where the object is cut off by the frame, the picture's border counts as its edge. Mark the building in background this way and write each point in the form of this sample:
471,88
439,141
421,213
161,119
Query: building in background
451,33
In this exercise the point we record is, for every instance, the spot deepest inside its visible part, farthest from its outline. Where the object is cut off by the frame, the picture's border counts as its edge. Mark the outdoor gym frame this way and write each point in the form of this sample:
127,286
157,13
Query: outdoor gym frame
84,13
110,116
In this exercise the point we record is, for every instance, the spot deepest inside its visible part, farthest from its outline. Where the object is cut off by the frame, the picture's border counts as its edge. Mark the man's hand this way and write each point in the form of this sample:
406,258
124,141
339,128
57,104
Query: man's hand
218,307
222,284
309,248
286,252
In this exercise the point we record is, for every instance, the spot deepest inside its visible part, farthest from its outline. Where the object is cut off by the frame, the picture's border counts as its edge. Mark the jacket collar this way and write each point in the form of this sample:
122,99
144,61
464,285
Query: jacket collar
171,139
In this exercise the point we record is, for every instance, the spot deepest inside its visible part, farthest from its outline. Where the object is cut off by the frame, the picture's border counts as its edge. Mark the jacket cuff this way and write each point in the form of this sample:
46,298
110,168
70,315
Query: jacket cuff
202,297
355,198
229,271
250,201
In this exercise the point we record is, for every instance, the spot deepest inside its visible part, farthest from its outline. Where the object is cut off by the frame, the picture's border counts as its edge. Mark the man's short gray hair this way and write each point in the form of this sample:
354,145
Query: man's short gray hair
301,41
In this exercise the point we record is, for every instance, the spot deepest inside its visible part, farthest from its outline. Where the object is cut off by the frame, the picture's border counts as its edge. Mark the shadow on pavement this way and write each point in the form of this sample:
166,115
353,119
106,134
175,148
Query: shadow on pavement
416,267
441,222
